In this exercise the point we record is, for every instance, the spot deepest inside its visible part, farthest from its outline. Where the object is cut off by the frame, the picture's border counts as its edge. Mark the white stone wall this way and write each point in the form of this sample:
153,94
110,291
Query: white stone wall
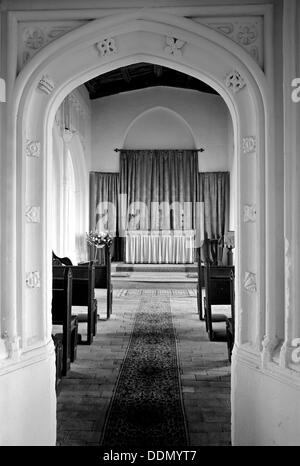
161,118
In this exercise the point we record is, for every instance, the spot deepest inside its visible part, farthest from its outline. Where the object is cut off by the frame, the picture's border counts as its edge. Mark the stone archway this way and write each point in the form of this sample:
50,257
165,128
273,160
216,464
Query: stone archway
96,48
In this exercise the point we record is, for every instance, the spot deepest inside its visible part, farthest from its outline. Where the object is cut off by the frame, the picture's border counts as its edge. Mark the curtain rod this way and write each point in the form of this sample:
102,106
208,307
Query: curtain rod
178,150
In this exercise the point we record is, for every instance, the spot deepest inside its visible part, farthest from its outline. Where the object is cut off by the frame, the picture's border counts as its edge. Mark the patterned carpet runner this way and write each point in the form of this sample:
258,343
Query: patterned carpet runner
146,409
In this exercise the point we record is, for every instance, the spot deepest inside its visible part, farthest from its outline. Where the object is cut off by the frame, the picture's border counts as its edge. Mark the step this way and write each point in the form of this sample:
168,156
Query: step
122,267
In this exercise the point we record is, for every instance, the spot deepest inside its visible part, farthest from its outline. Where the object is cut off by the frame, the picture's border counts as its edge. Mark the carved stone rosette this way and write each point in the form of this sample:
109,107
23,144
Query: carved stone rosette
234,81
174,46
249,213
249,145
106,47
250,282
247,34
33,148
32,214
33,279
34,38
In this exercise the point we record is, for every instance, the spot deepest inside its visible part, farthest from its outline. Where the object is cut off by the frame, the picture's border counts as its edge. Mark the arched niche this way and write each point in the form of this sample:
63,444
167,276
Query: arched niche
159,128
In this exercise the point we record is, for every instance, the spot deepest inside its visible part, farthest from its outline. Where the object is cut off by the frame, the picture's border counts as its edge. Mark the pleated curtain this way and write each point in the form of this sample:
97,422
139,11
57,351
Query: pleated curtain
213,189
158,189
104,207
161,190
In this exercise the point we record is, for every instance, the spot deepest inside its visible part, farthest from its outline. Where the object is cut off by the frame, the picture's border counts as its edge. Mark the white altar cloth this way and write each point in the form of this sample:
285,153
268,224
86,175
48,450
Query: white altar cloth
160,247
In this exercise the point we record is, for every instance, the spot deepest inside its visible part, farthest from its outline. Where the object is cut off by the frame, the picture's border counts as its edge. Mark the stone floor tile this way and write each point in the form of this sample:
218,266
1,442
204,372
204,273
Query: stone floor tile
203,367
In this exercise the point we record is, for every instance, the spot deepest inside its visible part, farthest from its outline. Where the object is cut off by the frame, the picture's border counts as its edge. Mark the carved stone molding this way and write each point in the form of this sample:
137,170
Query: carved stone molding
249,144
288,275
247,31
33,279
33,148
31,341
224,28
14,347
2,90
249,213
106,47
234,81
34,35
285,353
174,46
249,282
32,214
46,84
242,316
268,346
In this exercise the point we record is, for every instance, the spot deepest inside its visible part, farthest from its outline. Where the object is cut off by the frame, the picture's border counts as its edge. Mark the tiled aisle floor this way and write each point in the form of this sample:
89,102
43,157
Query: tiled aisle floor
205,376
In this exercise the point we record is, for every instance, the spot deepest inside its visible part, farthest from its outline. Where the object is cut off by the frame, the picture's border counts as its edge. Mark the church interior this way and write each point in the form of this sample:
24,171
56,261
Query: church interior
150,223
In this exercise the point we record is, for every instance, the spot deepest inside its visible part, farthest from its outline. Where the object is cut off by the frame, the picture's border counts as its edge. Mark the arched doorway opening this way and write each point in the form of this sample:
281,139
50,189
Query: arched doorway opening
52,74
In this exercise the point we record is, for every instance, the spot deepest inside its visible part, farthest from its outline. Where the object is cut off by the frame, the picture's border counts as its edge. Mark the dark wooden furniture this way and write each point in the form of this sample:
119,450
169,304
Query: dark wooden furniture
60,260
212,250
58,345
230,336
219,289
200,283
103,279
84,295
62,314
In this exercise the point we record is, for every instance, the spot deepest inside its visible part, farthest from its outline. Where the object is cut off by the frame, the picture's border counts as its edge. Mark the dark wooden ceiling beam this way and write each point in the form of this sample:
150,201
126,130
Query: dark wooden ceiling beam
125,74
141,76
158,70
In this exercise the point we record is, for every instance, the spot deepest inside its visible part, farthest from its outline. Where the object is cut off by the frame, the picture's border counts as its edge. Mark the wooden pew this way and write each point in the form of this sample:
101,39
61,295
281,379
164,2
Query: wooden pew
200,283
230,336
62,314
230,324
219,289
103,279
58,361
84,295
212,250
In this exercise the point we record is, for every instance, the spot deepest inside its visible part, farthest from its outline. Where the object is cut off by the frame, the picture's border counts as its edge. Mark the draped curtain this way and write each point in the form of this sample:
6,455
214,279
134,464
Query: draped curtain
158,189
104,203
213,190
161,190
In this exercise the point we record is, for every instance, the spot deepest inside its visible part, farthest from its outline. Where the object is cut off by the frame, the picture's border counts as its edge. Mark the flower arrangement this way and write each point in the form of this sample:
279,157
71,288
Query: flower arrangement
229,240
98,240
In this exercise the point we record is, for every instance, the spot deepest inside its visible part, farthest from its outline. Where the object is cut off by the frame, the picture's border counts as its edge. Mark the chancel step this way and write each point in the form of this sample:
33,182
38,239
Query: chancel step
122,267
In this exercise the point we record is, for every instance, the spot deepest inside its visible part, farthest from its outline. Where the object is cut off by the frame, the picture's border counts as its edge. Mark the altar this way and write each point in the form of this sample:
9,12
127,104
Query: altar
159,247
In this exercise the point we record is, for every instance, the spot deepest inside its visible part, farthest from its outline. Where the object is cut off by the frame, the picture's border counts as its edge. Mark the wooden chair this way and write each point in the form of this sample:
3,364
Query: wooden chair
62,314
219,283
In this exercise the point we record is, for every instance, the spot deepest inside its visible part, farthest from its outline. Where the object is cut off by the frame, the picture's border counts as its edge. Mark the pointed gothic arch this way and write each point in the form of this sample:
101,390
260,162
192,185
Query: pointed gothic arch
93,49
